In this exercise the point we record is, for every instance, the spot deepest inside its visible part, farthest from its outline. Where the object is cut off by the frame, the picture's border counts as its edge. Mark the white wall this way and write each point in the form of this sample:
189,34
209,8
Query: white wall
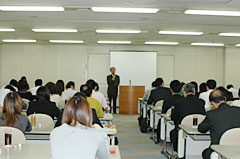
68,62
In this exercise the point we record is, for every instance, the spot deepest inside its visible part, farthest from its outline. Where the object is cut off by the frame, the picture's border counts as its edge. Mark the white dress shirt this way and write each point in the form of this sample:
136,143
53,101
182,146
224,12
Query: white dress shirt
100,97
34,90
205,97
234,92
68,93
58,100
3,93
79,142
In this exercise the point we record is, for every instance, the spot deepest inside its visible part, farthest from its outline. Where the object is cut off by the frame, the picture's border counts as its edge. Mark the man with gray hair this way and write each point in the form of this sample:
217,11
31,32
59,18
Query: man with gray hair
189,105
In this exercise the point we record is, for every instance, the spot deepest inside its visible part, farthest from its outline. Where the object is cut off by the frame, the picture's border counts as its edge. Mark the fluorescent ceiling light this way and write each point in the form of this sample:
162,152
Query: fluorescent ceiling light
161,43
207,44
229,34
7,30
30,8
67,41
213,12
125,10
180,33
56,30
114,42
238,45
119,31
18,41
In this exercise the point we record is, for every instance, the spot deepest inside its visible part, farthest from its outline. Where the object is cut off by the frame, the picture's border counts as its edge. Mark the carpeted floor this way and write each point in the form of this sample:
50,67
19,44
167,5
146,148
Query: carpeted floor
134,144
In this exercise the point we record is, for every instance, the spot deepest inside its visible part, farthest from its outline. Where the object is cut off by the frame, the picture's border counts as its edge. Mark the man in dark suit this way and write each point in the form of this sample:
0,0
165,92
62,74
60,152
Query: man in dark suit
219,120
184,107
113,81
160,93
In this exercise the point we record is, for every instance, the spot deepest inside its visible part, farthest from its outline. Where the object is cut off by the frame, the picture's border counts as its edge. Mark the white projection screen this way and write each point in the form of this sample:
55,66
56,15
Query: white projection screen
139,67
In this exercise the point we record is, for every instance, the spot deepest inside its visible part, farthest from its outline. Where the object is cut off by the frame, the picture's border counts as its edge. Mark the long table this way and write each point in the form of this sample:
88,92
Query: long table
37,151
107,117
227,151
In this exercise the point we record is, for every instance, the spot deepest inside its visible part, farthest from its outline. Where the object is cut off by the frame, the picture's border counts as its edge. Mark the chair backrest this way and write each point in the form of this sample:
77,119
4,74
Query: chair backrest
231,137
159,104
26,101
169,111
17,135
188,120
43,122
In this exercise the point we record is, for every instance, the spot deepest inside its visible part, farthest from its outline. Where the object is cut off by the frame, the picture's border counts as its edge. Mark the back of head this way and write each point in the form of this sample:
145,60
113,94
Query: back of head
87,90
11,107
51,87
188,88
13,82
23,85
217,96
175,86
60,87
80,94
70,84
159,82
43,94
202,87
195,85
10,88
38,82
154,84
91,83
227,94
211,84
77,110
230,86
96,86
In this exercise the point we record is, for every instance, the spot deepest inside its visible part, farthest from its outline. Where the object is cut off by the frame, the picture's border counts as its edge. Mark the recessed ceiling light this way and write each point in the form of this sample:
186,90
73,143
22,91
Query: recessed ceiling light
56,30
180,33
31,8
18,41
7,30
229,34
125,10
238,45
161,43
113,42
213,12
67,41
207,44
119,31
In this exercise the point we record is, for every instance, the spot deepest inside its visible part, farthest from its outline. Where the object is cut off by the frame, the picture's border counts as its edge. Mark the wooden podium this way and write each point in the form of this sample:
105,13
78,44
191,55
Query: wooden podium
128,98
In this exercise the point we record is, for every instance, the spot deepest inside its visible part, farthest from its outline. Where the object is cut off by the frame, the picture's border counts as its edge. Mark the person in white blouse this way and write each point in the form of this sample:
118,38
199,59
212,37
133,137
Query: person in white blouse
97,95
210,85
69,92
233,90
77,138
38,83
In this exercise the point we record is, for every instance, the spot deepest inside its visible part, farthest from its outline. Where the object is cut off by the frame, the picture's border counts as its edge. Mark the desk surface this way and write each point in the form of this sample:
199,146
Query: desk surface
190,130
107,116
37,151
227,151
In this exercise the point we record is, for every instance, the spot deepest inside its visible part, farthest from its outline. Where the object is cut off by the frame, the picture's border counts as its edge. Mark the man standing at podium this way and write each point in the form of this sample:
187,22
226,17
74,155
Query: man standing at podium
113,81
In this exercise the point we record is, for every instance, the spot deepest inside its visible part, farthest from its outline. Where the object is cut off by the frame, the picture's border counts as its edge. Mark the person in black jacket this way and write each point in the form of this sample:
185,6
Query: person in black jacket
113,81
218,121
22,90
160,93
43,104
94,114
184,107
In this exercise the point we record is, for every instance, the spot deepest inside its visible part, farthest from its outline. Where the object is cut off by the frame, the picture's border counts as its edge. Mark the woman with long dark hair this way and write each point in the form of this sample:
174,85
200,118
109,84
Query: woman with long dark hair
11,115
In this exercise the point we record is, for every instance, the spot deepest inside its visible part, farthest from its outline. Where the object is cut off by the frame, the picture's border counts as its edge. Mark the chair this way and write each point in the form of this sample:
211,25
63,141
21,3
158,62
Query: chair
26,101
159,104
43,122
188,120
17,135
169,111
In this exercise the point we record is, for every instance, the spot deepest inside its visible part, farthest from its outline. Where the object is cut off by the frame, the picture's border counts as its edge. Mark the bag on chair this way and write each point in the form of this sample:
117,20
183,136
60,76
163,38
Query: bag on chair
144,125
140,118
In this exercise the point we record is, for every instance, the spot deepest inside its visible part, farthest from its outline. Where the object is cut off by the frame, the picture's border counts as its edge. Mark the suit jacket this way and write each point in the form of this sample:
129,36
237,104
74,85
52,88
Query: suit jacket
113,84
26,95
187,106
94,115
160,93
43,107
218,121
171,101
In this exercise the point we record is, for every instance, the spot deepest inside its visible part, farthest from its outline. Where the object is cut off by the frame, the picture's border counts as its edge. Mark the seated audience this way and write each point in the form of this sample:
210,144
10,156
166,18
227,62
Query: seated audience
43,105
210,86
190,104
97,95
237,102
202,88
11,116
234,91
226,93
94,114
69,92
196,88
94,103
14,84
60,87
160,93
77,137
148,92
38,83
23,90
219,120
54,97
